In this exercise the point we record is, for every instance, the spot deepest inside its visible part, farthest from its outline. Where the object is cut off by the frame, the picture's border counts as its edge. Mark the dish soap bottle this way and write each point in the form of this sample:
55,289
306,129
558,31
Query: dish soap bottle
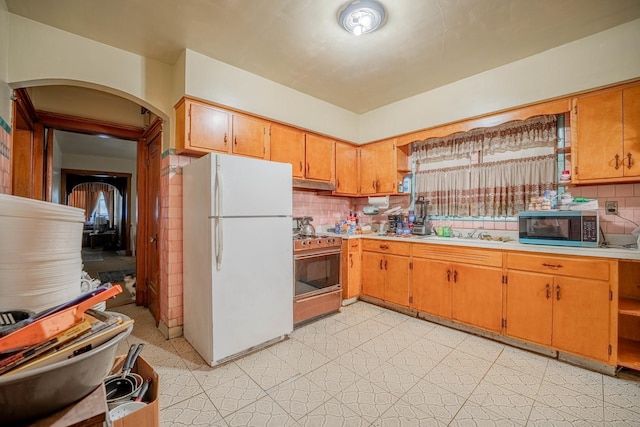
406,184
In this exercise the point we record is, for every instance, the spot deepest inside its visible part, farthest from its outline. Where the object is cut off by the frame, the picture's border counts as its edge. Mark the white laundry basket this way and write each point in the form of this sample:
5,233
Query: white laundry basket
40,253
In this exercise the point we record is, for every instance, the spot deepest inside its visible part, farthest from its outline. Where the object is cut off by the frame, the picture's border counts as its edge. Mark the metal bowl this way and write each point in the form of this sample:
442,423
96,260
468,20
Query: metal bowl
39,392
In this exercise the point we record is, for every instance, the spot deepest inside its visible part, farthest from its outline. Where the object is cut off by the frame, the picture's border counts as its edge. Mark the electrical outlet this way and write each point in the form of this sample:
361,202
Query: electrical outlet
611,207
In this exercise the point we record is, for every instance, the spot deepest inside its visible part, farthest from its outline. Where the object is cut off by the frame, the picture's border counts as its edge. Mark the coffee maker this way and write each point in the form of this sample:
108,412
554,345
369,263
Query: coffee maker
422,225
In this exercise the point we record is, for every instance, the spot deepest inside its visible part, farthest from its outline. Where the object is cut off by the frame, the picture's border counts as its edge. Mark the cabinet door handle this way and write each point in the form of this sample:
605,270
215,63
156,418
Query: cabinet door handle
385,264
548,291
617,166
308,168
448,275
225,138
557,292
629,161
351,260
546,264
381,264
373,184
455,276
235,141
300,166
337,183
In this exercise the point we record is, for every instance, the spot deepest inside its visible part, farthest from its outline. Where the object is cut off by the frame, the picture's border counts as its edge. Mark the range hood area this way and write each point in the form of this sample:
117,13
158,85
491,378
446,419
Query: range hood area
303,184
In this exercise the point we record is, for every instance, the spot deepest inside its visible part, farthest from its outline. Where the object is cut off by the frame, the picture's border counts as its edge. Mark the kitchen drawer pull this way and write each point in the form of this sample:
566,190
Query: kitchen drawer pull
385,247
617,166
557,292
548,291
629,161
546,264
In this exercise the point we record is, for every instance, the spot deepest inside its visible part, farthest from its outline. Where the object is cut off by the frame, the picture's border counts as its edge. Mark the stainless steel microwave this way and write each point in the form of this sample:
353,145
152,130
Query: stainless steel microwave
559,228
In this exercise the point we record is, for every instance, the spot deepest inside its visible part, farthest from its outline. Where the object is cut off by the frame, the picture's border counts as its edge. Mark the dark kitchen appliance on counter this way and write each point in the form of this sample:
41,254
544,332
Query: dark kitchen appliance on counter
317,276
559,228
422,225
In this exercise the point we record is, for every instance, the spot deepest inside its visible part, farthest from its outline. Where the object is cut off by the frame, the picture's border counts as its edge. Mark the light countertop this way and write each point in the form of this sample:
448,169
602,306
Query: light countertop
513,245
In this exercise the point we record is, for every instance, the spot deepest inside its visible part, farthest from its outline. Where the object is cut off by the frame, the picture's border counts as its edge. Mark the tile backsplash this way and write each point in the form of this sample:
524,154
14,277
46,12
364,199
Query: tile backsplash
326,210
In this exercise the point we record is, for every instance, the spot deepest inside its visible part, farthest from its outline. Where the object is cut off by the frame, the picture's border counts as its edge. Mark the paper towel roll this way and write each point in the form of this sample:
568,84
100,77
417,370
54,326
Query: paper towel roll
381,202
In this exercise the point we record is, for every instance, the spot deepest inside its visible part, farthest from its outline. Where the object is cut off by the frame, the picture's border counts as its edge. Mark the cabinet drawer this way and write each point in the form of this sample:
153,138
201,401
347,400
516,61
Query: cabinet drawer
386,246
486,257
353,245
586,268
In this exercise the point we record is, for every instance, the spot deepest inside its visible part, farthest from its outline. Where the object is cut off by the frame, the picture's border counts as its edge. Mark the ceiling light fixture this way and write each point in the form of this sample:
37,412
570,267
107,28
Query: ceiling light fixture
362,16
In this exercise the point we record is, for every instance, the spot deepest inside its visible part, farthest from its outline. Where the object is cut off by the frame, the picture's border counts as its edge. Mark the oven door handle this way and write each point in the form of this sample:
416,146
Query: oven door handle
315,255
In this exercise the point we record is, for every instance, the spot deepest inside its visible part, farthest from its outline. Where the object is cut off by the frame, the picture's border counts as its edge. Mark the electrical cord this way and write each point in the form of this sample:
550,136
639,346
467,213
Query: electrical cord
627,219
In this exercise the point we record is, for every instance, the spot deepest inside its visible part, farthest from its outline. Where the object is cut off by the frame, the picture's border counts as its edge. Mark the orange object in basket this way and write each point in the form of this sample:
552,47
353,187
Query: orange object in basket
50,326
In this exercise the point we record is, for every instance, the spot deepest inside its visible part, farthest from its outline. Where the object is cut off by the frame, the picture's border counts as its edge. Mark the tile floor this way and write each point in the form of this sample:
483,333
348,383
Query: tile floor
368,366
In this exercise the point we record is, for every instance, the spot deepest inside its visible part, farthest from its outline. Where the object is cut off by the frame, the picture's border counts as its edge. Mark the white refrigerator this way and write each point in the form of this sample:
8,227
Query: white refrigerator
237,252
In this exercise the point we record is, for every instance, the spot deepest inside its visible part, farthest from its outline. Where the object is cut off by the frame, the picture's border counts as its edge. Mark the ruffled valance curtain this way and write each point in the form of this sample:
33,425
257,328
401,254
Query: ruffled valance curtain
539,131
490,188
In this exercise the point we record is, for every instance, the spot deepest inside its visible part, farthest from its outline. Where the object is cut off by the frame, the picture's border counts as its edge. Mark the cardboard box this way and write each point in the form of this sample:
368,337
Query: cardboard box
149,416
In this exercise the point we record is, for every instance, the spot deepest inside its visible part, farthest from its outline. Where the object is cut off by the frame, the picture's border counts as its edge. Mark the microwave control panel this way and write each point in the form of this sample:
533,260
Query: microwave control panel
590,229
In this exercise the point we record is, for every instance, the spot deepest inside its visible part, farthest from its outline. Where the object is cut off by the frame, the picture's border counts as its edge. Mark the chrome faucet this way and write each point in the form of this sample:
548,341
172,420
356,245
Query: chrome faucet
475,230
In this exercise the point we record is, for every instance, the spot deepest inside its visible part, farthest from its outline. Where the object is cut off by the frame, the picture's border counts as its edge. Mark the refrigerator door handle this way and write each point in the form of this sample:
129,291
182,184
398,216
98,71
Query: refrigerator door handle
217,189
218,211
219,245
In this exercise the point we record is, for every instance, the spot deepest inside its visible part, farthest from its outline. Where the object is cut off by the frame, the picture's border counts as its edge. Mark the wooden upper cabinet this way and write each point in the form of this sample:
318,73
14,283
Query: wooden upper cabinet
249,136
320,158
311,156
201,128
287,146
631,130
347,168
378,168
606,142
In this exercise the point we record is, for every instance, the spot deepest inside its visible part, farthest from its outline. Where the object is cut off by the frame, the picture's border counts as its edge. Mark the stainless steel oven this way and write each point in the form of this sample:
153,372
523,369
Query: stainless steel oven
317,276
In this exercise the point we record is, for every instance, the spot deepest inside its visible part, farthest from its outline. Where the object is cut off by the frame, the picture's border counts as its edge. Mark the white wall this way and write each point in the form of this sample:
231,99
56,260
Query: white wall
218,82
608,57
5,91
59,57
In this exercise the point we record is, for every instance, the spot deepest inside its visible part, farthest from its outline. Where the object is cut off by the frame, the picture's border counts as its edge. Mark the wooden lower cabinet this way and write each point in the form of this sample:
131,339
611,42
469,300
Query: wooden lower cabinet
385,271
477,296
373,276
571,314
430,291
351,268
529,307
462,284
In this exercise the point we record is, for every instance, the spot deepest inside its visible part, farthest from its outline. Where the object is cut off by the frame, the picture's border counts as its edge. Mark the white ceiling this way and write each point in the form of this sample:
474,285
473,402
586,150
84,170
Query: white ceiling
89,145
298,43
